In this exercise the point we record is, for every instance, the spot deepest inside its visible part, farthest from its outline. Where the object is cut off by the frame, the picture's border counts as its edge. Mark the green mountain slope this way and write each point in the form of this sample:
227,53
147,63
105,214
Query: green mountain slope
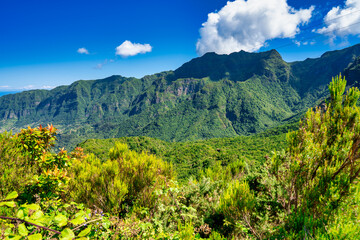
210,96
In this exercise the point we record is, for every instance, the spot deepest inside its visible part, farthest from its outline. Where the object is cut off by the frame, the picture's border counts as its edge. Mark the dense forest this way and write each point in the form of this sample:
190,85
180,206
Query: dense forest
265,186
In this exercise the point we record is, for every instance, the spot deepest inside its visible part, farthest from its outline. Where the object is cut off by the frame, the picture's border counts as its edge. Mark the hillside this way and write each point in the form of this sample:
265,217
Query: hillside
191,158
209,97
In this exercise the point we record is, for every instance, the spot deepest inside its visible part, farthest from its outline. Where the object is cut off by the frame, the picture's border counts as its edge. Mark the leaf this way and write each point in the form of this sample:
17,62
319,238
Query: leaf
37,236
60,220
106,224
67,234
38,214
78,220
20,214
8,204
23,230
85,232
12,195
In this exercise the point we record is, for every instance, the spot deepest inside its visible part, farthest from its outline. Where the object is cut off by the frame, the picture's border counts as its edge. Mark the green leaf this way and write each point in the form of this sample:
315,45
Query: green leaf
67,234
12,195
37,236
7,231
38,214
60,220
20,214
23,230
85,232
8,204
106,224
78,220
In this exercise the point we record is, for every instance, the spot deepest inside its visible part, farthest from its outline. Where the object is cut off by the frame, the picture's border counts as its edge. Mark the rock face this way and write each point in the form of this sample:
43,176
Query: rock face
210,96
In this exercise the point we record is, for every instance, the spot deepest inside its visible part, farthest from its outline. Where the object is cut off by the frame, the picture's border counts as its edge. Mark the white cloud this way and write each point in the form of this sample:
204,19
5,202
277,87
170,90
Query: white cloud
28,87
6,86
247,25
342,21
128,48
299,43
47,87
83,51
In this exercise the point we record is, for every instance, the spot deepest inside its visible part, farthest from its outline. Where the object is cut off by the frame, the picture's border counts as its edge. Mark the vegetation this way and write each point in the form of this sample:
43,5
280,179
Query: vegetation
192,157
310,189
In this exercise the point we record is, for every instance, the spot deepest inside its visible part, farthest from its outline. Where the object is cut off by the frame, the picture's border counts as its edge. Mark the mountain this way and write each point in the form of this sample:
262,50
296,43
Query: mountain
6,93
210,96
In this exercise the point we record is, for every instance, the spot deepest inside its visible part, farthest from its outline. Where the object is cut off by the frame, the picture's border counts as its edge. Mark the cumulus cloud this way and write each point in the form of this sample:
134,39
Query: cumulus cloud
128,48
342,21
83,51
247,25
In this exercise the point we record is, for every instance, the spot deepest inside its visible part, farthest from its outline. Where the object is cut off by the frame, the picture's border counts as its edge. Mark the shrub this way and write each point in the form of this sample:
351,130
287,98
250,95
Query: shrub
127,178
321,163
28,166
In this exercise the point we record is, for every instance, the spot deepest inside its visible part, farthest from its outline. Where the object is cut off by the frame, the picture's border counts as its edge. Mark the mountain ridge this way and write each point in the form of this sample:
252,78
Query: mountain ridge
210,96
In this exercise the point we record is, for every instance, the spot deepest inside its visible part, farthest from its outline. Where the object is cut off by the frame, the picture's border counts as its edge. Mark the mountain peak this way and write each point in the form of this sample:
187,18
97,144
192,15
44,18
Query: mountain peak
238,66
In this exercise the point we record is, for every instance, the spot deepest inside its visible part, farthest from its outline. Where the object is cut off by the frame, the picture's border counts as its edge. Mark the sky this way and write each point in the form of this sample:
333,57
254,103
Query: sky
44,44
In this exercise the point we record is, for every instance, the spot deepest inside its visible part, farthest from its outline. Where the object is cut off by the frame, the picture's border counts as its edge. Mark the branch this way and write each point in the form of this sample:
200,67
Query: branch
86,223
253,230
177,205
18,219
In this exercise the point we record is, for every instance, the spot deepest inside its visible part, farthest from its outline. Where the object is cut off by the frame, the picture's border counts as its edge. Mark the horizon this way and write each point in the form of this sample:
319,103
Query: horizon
13,91
58,44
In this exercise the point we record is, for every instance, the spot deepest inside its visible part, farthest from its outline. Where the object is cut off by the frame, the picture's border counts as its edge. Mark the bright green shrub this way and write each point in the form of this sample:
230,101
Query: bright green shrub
121,181
321,163
237,204
218,172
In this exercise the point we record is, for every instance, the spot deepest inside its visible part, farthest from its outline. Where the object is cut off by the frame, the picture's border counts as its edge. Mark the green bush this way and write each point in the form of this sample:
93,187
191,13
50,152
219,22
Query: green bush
126,179
321,164
28,166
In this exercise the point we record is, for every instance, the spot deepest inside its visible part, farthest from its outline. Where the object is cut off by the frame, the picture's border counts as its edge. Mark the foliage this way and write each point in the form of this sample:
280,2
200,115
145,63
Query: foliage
51,178
321,163
52,219
28,166
237,204
227,188
192,158
120,182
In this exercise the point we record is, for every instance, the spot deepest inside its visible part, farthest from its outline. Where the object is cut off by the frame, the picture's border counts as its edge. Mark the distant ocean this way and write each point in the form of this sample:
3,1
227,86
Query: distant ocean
5,93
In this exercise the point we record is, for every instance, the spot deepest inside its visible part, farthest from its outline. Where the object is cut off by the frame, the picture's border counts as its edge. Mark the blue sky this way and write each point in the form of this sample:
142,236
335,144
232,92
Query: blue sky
49,43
